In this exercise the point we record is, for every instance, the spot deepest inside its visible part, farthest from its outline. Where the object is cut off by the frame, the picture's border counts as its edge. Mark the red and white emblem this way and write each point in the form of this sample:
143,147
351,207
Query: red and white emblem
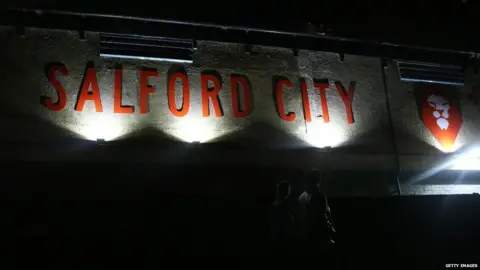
441,116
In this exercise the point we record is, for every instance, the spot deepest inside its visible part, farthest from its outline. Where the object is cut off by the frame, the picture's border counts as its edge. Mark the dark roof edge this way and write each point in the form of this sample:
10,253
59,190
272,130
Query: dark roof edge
300,40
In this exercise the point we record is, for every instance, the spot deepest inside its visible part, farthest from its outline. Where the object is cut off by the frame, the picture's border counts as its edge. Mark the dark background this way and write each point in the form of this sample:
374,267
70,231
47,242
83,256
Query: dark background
433,23
94,209
90,209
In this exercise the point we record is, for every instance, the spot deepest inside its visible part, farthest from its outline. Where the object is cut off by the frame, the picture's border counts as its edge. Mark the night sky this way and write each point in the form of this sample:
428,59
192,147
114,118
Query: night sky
450,23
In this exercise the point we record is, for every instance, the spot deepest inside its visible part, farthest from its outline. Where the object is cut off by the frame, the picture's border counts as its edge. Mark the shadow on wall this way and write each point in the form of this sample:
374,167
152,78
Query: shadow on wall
211,210
147,136
408,143
135,180
261,135
362,143
25,127
361,183
372,141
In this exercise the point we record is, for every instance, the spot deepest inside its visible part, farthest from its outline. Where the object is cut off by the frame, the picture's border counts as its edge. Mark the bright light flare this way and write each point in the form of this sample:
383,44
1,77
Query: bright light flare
441,189
320,134
466,161
194,129
470,160
99,126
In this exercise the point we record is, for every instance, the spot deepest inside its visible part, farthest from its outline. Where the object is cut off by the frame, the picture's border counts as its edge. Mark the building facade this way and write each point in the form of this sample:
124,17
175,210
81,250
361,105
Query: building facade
350,115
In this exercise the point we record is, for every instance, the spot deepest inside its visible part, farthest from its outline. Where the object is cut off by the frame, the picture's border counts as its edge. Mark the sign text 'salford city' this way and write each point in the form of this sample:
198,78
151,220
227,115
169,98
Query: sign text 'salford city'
438,110
90,92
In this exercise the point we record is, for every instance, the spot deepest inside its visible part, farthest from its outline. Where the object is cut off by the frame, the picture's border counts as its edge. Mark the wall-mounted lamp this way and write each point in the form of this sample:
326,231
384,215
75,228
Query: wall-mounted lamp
430,73
196,144
20,30
146,48
81,34
295,52
101,141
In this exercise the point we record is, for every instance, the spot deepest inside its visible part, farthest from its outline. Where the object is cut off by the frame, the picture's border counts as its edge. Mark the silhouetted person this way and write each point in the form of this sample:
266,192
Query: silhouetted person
281,219
314,215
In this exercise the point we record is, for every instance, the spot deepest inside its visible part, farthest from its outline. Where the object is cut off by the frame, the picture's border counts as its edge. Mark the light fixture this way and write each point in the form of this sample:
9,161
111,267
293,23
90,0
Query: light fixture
430,73
146,48
196,144
101,141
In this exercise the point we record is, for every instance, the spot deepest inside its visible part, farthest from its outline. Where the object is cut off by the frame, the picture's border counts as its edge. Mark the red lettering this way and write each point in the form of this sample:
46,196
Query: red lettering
117,95
145,88
185,94
90,79
347,98
290,116
61,93
235,80
210,94
322,86
306,103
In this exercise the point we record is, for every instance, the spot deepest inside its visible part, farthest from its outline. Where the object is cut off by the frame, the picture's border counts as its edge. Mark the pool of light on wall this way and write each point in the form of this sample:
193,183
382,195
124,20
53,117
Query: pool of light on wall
194,129
319,134
94,126
100,126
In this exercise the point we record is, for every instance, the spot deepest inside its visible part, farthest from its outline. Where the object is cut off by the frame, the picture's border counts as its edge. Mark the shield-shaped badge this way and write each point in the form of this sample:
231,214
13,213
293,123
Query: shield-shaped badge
440,113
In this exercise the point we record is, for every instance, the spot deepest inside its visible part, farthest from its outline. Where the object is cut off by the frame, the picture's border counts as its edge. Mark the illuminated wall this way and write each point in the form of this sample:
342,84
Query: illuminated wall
428,163
363,145
27,58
